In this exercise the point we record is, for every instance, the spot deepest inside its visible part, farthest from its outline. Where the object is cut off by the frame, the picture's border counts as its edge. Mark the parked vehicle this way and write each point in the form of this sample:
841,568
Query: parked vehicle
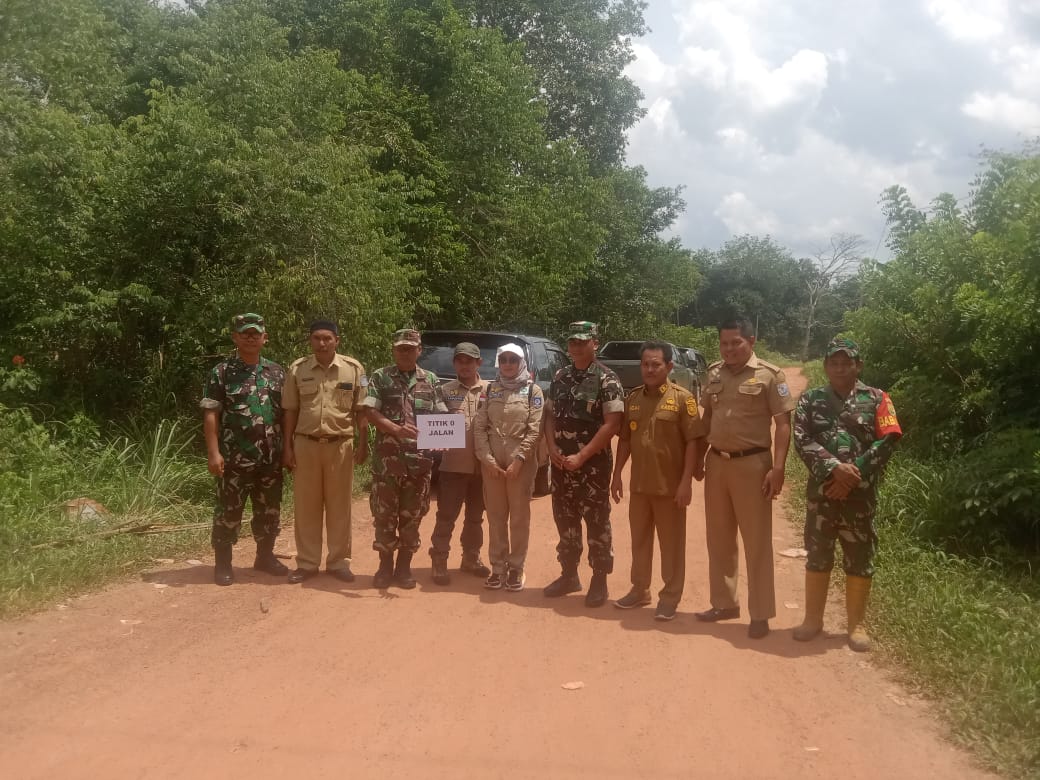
544,358
697,363
623,358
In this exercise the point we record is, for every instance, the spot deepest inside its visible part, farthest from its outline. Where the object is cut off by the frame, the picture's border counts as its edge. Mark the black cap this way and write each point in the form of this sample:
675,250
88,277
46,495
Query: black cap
325,325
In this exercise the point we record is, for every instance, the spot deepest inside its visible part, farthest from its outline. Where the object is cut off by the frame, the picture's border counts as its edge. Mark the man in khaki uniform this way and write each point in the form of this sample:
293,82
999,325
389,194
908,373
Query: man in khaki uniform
322,402
459,482
742,398
663,433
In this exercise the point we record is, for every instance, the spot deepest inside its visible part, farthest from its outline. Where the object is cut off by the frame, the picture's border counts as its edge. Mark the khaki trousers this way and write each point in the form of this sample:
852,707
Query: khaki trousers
322,489
508,506
647,513
733,501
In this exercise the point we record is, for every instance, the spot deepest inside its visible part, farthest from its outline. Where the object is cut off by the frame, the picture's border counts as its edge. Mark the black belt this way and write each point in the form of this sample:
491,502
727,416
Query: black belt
323,439
740,454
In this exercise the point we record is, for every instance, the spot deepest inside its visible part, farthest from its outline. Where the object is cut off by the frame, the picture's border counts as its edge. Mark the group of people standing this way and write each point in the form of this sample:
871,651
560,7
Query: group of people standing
313,419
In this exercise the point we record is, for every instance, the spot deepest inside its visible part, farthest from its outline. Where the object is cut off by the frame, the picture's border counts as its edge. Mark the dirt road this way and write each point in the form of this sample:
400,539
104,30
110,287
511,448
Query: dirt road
170,676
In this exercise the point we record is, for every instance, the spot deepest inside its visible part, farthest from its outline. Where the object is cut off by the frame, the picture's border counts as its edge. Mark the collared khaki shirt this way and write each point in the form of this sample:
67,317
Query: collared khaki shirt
328,398
458,397
742,404
658,425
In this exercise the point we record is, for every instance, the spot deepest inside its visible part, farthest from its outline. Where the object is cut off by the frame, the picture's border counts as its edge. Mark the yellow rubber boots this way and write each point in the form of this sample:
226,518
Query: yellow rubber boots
857,593
816,585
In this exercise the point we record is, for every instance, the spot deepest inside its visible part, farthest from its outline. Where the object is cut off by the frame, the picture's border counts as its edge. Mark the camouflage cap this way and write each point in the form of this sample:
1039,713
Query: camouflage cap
408,336
240,323
583,330
841,344
467,348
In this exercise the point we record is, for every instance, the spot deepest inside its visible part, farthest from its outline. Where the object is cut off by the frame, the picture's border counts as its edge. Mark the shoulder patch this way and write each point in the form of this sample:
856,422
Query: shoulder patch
536,402
783,390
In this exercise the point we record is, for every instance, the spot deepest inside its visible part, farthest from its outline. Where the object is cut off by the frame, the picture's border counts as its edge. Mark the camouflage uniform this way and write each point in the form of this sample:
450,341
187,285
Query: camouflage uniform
400,472
249,399
861,429
579,401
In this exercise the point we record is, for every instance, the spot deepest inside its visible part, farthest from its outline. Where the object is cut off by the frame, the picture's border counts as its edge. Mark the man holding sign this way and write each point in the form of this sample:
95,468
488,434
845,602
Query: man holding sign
845,432
397,396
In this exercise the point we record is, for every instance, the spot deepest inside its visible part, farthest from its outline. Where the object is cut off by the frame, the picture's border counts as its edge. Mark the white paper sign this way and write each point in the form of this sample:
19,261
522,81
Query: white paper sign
441,431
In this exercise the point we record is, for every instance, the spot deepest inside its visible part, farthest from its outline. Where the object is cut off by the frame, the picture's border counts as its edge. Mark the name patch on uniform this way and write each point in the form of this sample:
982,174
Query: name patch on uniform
783,390
345,386
536,402
496,393
457,397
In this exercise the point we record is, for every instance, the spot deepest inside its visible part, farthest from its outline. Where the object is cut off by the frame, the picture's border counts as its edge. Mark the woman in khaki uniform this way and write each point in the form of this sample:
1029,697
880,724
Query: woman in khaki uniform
506,431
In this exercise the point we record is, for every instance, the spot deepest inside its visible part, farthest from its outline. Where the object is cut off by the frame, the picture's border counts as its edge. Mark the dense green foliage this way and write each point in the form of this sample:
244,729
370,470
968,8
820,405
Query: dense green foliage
384,162
951,325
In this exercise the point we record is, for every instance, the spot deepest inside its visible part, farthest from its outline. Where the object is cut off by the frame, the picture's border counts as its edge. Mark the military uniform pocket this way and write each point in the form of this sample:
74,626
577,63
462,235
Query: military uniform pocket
750,388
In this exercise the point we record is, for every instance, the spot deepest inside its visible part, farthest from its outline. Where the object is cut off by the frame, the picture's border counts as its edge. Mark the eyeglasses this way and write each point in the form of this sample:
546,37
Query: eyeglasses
508,359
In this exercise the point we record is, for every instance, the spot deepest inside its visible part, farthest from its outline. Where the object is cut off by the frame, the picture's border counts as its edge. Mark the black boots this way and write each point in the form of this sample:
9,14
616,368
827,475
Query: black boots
597,595
385,573
266,560
223,574
440,570
403,573
567,582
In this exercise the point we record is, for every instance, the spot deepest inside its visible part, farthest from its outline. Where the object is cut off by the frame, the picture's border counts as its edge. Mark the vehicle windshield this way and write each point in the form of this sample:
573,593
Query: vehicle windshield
621,350
438,352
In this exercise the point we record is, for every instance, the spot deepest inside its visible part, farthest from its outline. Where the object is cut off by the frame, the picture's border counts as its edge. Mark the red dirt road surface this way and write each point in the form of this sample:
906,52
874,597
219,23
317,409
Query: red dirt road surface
170,676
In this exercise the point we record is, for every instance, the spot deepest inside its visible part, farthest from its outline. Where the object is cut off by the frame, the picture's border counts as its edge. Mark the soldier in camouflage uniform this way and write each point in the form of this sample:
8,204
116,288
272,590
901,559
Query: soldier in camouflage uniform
400,471
242,423
583,413
845,432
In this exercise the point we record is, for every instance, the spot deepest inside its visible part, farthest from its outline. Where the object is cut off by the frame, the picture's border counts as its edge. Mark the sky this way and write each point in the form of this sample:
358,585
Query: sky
788,119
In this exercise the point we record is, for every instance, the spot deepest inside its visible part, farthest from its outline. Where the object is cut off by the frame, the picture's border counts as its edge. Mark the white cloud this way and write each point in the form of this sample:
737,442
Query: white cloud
970,20
1015,113
791,119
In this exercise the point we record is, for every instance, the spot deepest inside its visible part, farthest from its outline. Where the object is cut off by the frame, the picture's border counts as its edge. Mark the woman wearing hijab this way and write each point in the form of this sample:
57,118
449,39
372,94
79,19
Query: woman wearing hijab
506,431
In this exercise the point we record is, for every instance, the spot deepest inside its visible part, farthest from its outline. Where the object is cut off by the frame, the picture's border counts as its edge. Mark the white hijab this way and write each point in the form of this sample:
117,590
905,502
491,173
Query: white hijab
523,377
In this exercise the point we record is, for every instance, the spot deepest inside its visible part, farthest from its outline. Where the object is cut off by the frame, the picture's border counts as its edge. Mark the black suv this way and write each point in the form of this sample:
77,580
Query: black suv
544,359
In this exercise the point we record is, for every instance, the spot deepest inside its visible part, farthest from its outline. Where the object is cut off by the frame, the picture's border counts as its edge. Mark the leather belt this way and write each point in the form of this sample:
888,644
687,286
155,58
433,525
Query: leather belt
740,454
322,439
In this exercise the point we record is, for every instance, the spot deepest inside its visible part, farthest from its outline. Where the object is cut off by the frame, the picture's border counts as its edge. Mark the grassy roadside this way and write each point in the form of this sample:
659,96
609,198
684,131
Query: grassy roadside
963,632
150,480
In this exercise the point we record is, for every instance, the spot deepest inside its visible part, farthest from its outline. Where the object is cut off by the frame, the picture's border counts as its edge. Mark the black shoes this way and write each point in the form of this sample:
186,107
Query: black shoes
714,614
343,575
515,580
634,598
597,595
223,574
266,560
385,573
664,611
494,581
403,572
299,575
471,562
758,629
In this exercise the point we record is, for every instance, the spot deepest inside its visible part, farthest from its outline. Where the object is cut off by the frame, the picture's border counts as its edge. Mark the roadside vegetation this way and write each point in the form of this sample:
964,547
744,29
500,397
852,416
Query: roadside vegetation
79,509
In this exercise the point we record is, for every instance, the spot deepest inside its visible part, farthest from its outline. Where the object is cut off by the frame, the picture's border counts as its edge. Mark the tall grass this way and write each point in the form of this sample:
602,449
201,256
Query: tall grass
50,552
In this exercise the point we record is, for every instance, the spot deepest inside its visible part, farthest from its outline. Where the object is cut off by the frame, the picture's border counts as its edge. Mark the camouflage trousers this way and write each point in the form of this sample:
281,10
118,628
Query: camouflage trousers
398,505
578,495
262,485
851,523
